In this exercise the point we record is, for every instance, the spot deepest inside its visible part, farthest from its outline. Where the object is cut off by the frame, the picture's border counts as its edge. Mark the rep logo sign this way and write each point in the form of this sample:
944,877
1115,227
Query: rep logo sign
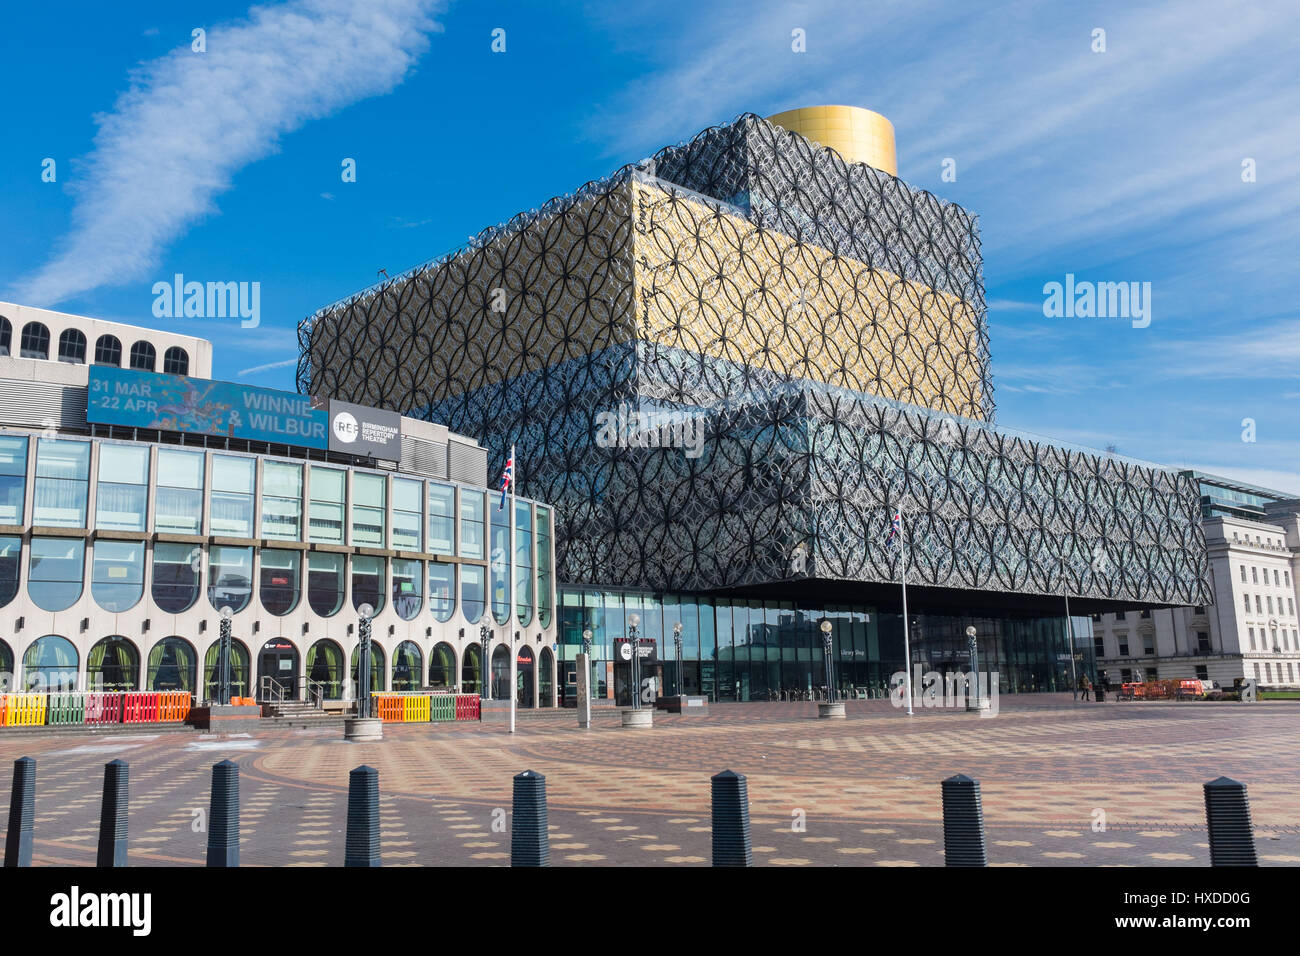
372,432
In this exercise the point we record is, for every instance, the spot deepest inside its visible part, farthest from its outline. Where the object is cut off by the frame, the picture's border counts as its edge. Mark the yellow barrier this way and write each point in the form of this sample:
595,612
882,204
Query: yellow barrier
415,709
25,710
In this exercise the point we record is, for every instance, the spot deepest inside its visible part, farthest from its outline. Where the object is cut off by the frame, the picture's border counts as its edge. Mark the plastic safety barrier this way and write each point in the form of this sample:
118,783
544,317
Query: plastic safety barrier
442,707
103,708
468,707
65,709
25,710
388,707
415,709
140,708
174,704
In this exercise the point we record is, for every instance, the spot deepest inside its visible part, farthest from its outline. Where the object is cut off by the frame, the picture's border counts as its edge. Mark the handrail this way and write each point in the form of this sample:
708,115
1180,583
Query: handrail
313,692
270,690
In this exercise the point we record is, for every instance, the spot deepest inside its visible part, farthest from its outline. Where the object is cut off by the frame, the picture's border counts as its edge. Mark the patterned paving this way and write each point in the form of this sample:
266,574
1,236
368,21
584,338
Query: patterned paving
864,791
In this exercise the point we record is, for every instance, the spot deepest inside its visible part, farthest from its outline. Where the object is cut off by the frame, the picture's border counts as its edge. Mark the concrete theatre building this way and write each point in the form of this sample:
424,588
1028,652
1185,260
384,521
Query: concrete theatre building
138,498
726,367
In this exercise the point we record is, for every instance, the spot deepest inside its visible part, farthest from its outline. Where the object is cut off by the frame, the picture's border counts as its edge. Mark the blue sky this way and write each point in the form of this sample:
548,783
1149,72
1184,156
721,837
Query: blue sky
1122,165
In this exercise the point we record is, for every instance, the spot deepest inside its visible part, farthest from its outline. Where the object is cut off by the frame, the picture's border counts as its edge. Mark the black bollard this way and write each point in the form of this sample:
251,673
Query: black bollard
1227,816
223,815
731,843
362,845
112,816
530,843
22,808
963,823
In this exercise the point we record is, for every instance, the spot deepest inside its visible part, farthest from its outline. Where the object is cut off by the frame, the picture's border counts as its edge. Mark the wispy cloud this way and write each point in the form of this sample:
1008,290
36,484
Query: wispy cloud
268,367
190,121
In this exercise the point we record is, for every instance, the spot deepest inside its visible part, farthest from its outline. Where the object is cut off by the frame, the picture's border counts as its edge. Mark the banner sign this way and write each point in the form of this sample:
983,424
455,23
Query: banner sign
178,403
369,432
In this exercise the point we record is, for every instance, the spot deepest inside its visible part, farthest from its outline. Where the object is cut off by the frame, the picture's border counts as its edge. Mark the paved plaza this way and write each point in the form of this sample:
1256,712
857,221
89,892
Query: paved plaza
866,789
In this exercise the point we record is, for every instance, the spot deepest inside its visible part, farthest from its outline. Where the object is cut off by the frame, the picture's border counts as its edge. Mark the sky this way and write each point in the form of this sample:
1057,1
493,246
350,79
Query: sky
1164,149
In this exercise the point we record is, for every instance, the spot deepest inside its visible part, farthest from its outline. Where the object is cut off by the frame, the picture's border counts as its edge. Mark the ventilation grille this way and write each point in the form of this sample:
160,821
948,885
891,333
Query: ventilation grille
422,457
42,404
467,463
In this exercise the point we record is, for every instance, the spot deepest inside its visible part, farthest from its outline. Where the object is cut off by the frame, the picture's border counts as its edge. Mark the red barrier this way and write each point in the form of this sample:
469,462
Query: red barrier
140,708
468,707
104,708
3,699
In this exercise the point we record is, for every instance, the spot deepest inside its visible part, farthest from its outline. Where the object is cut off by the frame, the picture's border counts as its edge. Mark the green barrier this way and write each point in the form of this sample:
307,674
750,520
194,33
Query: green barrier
65,709
442,707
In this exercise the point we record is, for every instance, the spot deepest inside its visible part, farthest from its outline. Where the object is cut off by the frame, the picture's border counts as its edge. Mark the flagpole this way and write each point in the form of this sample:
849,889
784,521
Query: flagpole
907,641
510,591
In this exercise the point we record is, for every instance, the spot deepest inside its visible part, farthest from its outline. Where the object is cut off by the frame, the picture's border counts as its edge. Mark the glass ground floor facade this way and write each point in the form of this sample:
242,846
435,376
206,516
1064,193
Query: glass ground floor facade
747,649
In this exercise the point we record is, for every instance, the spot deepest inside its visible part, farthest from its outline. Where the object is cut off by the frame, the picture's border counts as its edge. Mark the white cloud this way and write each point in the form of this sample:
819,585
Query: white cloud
270,366
190,121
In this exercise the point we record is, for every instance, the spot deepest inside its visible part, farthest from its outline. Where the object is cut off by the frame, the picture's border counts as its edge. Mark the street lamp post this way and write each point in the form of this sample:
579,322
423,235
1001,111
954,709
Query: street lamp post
363,661
586,654
484,669
223,668
826,650
677,643
633,622
973,646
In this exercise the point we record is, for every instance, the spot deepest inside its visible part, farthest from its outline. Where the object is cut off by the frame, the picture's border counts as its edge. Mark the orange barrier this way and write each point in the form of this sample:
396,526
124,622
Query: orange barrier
174,704
388,708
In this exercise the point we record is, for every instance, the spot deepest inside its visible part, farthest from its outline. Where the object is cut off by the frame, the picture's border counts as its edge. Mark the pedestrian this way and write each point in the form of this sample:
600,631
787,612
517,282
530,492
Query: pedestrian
1087,686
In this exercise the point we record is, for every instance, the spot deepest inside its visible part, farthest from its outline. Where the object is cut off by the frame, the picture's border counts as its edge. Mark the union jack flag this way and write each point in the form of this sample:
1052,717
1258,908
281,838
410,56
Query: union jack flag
895,529
507,477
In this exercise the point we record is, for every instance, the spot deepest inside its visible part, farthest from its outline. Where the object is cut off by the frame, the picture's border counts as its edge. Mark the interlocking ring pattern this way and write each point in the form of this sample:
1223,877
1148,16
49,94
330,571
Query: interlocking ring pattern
825,325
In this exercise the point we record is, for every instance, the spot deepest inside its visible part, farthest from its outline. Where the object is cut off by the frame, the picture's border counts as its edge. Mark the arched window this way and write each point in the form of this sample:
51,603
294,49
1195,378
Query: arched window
239,686
113,665
442,666
442,590
368,586
117,574
176,361
472,598
143,356
281,577
173,665
108,350
500,673
176,576
35,342
50,664
230,577
408,667
11,552
6,661
525,667
325,667
325,582
471,670
408,588
376,667
6,336
545,677
55,572
72,347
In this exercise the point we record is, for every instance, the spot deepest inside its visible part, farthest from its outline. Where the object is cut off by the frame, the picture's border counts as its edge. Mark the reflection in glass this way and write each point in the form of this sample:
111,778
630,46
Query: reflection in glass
55,572
117,574
232,496
408,584
369,501
230,577
407,517
472,598
368,582
281,500
280,580
13,479
122,489
175,576
62,477
408,667
442,590
50,665
326,517
178,500
524,562
442,518
325,583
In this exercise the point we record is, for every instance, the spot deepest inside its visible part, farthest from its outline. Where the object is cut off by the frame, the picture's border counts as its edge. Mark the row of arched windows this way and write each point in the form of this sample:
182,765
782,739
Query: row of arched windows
34,342
52,664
